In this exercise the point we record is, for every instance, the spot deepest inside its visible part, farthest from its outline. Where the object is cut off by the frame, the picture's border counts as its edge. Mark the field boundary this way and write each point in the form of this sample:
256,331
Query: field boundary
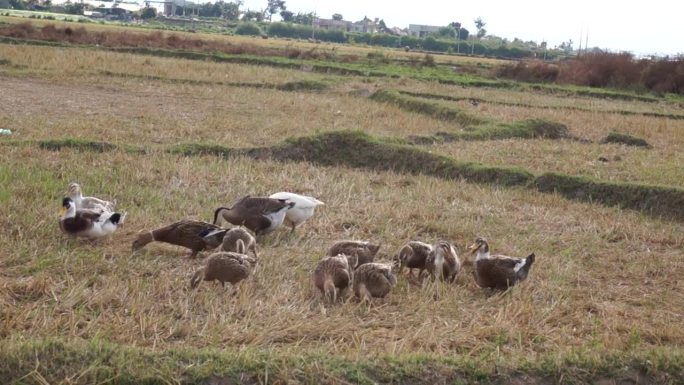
528,105
97,361
359,150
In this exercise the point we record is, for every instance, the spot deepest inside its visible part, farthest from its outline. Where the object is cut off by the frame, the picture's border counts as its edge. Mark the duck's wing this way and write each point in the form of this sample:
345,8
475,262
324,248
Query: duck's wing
266,205
97,203
498,270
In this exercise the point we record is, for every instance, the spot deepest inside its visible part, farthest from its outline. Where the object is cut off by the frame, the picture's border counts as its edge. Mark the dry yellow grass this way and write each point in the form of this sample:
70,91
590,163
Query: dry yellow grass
605,281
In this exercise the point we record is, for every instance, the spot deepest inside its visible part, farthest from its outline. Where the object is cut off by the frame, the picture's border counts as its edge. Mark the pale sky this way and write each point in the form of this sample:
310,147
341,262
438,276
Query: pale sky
644,27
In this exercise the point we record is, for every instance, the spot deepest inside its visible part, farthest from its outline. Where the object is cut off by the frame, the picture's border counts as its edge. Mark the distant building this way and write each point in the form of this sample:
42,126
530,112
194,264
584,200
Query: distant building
422,30
333,25
365,26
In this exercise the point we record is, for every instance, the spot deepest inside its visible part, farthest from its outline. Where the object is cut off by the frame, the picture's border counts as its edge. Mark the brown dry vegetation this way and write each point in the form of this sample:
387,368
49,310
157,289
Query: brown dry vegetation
602,296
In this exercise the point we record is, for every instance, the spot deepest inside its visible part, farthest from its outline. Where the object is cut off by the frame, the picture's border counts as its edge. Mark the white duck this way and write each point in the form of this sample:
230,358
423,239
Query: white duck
302,210
88,223
90,203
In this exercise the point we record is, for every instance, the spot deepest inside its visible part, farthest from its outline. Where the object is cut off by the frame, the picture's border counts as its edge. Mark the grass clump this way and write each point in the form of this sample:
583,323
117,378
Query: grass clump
302,85
629,140
58,144
525,129
667,202
359,150
434,110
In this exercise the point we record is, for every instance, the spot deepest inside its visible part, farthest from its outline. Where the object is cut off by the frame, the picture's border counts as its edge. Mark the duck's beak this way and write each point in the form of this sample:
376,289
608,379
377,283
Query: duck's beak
62,211
473,248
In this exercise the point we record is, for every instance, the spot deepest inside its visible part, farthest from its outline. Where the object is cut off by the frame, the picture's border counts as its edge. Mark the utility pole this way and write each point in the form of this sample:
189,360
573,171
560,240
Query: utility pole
458,38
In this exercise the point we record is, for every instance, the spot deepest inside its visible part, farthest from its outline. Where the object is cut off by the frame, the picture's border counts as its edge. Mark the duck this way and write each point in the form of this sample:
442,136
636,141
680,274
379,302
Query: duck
443,261
373,280
194,235
239,234
365,251
75,193
498,271
413,255
225,266
259,214
302,210
86,223
334,274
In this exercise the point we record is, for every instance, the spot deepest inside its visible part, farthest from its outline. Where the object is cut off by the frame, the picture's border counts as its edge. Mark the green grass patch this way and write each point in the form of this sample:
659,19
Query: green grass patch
359,150
659,201
627,139
96,361
433,110
58,144
87,145
525,129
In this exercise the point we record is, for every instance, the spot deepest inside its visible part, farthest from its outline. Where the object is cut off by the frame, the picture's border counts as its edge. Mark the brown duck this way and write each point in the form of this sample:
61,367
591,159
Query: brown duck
413,255
334,274
195,235
443,261
232,236
259,214
364,251
498,271
373,280
224,266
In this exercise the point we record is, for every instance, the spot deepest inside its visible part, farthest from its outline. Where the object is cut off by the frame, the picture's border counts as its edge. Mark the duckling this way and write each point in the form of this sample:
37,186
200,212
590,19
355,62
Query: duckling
225,266
498,271
195,235
413,255
365,251
303,209
259,214
232,236
74,192
334,274
88,223
443,261
373,280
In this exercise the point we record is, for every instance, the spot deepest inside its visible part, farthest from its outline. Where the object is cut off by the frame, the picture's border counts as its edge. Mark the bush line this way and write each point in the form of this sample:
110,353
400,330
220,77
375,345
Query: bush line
356,149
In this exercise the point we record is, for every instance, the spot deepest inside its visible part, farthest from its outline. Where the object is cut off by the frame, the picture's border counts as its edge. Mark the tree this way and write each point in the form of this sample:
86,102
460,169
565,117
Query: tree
148,13
273,7
304,18
287,16
230,11
382,27
337,16
480,24
447,32
253,16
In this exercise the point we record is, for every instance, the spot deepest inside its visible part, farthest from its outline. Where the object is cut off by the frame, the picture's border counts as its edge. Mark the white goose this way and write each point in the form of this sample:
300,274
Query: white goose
302,210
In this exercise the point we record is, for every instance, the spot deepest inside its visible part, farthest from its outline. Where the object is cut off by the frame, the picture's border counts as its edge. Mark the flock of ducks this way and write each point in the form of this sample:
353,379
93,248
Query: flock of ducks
347,265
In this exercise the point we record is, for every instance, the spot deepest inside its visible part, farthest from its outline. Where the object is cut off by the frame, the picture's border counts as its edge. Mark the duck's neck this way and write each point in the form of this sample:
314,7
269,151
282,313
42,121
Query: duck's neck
482,254
70,212
77,198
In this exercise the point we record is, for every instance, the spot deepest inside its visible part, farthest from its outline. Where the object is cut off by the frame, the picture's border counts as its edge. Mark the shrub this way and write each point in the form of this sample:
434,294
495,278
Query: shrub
530,71
148,13
664,76
248,29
